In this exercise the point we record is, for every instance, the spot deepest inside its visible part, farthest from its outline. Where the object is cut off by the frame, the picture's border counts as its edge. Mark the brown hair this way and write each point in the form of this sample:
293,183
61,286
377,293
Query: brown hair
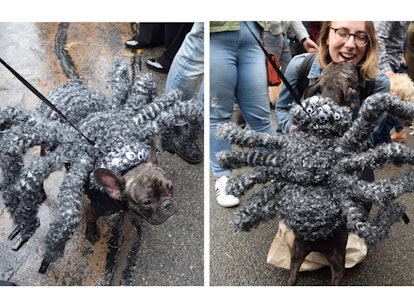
368,67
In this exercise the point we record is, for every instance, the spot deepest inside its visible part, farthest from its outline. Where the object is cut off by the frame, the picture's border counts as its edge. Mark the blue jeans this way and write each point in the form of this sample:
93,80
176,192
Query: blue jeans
187,69
237,73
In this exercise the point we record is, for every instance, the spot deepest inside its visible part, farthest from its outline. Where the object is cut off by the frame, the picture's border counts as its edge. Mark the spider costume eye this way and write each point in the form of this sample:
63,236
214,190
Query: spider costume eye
322,117
130,155
337,116
309,110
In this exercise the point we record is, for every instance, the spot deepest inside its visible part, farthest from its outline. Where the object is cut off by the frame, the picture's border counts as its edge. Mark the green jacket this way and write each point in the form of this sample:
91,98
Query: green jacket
221,26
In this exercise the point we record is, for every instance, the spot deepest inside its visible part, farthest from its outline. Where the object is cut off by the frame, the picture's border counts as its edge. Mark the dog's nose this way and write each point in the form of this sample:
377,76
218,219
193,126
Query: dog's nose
166,205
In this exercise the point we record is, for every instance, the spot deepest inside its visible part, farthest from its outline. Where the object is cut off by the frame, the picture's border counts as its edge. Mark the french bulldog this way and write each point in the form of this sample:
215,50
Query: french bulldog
145,190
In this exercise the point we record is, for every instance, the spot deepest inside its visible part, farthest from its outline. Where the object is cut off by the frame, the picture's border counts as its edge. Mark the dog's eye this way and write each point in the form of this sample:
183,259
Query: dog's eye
147,202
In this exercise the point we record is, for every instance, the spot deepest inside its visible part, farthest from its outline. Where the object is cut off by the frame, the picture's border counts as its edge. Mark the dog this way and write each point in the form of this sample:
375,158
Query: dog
403,87
338,81
145,190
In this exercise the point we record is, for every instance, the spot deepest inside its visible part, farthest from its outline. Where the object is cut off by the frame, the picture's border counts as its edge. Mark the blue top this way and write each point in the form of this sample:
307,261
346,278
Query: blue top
285,101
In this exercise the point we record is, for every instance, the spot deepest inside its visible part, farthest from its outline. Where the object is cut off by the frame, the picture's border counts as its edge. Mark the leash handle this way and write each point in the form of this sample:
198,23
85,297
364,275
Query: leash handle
45,100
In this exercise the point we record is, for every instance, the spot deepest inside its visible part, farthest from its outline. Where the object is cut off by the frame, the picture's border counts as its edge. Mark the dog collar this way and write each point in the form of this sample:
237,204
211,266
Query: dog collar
126,157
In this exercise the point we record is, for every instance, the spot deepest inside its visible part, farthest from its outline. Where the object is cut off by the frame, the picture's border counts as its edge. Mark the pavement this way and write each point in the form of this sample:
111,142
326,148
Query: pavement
171,254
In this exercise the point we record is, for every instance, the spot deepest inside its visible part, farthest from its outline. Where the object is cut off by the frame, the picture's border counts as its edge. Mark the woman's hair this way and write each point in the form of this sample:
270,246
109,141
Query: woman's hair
368,66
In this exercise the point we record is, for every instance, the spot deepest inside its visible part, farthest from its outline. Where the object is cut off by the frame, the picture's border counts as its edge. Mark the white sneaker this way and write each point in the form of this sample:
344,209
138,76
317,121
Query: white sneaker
224,199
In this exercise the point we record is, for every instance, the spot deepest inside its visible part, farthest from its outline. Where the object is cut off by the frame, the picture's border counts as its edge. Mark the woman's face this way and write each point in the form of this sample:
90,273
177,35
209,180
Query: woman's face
349,49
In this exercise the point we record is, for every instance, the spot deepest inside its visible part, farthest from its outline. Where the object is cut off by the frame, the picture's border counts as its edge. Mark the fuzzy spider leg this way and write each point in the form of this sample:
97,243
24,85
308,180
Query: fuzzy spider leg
253,157
248,138
394,152
238,185
70,209
261,206
11,116
372,108
30,194
373,231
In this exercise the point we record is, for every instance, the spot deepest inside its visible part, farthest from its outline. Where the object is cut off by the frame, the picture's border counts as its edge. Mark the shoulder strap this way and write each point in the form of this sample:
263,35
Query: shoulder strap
303,81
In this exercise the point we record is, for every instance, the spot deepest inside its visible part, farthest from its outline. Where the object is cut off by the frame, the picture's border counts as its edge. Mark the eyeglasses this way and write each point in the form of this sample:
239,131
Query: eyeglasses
342,35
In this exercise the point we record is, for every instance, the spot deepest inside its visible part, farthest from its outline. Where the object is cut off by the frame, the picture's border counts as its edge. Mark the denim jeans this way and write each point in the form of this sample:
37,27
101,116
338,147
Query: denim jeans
237,73
187,70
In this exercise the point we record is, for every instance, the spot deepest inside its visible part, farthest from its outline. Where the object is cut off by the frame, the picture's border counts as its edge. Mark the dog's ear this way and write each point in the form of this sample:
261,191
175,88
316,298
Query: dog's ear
152,157
312,90
113,183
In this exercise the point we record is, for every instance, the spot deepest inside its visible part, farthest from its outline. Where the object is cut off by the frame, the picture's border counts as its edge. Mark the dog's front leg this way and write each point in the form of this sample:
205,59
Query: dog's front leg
298,256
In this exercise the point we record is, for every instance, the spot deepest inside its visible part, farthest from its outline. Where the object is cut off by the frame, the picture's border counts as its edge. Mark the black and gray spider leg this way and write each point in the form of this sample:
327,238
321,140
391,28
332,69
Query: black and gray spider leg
261,206
248,138
373,107
11,116
373,231
29,195
238,185
395,153
253,157
70,208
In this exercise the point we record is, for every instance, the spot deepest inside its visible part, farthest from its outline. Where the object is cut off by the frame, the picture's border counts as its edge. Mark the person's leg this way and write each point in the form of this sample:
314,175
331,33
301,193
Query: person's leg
149,35
187,68
223,81
252,89
186,74
174,34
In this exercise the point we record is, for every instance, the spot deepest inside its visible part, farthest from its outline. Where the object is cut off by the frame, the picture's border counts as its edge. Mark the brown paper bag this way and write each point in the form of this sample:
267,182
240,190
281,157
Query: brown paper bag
280,251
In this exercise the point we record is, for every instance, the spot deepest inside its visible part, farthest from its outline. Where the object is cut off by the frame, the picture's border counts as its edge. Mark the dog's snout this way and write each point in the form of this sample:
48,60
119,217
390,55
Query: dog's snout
167,205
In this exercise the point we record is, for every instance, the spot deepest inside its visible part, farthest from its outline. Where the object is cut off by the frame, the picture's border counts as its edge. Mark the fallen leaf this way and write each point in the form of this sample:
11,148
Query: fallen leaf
42,82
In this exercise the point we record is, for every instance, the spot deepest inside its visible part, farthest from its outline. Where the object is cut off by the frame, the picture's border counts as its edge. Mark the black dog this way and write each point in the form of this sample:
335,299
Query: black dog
338,81
145,190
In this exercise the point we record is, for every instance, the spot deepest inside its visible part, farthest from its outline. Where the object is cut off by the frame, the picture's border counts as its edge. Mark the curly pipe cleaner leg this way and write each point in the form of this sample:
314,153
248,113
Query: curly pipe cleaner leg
237,159
29,188
248,138
70,210
10,116
261,206
395,153
120,82
372,233
240,184
15,143
373,107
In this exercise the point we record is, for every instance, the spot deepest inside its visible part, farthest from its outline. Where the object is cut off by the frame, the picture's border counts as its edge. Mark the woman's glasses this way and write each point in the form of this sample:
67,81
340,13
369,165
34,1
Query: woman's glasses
342,35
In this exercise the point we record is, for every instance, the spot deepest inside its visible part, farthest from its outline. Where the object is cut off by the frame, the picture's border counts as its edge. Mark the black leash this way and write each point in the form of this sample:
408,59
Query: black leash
45,100
282,76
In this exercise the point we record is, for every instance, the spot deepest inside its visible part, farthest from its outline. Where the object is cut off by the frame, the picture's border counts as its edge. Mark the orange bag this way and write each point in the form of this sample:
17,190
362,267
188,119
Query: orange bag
273,78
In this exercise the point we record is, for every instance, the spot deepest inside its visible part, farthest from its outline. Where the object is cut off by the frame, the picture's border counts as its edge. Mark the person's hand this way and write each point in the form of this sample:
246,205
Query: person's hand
310,45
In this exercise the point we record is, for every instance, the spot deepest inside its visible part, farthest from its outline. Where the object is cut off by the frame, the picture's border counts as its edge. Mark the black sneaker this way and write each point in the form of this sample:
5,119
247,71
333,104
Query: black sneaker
179,143
153,64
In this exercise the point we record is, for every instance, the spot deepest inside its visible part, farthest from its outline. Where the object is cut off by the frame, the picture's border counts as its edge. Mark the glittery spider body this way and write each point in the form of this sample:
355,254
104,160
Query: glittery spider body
122,127
311,178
